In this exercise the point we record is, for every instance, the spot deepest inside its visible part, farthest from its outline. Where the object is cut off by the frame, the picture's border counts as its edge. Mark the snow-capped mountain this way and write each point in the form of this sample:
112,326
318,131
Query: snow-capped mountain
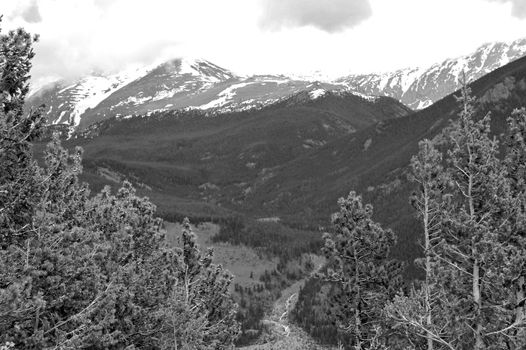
66,103
200,84
418,88
177,84
70,102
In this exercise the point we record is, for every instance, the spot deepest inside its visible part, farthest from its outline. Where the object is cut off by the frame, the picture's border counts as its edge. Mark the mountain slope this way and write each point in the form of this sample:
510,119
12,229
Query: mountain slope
67,103
374,161
290,160
420,87
195,164
176,84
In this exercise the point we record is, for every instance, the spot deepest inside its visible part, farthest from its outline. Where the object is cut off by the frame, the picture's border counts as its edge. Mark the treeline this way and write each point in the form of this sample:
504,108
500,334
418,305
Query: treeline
470,198
271,238
291,247
82,271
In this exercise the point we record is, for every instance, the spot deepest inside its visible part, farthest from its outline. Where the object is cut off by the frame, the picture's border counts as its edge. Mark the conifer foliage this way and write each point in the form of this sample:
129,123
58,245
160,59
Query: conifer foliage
81,271
364,276
201,306
470,198
471,202
17,186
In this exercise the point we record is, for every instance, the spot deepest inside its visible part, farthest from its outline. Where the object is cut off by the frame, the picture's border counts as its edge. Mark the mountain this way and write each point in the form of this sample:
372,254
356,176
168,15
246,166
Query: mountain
199,84
66,103
176,84
418,88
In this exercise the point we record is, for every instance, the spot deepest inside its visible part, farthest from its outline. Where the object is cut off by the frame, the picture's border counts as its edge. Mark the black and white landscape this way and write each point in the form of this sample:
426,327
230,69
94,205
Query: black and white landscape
358,168
198,84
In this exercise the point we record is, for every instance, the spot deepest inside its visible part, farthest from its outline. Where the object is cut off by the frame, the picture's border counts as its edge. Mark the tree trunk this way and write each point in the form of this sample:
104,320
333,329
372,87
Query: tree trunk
357,325
429,319
357,320
519,309
479,344
477,298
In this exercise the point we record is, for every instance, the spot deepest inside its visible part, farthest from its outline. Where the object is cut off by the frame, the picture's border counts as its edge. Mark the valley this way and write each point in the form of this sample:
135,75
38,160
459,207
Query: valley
274,174
263,175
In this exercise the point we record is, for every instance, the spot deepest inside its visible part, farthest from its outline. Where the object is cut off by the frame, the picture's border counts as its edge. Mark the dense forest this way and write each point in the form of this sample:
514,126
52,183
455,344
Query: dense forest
94,271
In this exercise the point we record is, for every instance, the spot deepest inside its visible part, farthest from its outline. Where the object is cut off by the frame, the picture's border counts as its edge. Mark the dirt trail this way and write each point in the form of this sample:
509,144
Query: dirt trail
283,333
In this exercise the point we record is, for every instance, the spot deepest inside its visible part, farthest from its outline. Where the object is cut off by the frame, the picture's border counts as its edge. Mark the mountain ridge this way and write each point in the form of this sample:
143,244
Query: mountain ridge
418,88
186,153
199,84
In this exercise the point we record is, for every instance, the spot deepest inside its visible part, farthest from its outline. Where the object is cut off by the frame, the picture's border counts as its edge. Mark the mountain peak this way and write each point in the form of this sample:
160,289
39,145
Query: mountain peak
197,67
418,88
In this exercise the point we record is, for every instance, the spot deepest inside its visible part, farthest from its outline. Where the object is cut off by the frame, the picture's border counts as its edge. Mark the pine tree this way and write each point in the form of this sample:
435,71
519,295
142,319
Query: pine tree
95,272
18,186
509,252
361,270
82,271
426,171
476,181
202,290
478,244
516,165
420,312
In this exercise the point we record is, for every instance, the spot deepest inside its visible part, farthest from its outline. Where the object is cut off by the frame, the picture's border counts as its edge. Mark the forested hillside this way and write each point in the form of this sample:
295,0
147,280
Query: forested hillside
375,161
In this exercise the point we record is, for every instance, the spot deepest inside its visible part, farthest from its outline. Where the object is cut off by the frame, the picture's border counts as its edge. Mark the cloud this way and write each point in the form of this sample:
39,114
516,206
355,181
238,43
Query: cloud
518,8
328,15
28,11
82,36
78,37
78,54
32,14
104,4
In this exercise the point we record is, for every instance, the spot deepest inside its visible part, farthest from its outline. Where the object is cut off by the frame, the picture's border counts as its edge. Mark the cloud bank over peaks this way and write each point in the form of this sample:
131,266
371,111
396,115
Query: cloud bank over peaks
518,8
28,11
328,15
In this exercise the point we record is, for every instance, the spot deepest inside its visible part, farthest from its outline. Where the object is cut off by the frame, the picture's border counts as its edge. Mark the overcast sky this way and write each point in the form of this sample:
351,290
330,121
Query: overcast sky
260,36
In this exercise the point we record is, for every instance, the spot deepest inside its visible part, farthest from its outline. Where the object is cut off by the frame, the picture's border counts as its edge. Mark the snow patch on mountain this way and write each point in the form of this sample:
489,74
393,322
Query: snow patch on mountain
187,67
420,87
223,97
369,98
314,94
203,69
91,90
134,100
